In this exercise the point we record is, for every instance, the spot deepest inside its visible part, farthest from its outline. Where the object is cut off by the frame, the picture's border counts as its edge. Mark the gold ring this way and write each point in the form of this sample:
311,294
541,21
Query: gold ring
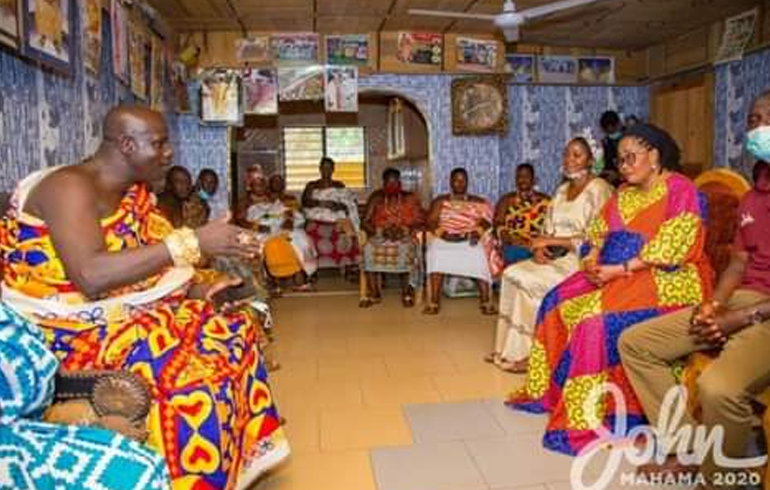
243,238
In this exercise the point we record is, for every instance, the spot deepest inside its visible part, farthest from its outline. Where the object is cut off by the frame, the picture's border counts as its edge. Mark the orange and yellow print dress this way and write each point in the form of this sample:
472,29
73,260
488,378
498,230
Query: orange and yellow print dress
213,418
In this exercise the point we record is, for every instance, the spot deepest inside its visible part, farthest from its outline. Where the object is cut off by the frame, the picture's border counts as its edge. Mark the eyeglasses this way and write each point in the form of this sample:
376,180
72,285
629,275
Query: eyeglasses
628,159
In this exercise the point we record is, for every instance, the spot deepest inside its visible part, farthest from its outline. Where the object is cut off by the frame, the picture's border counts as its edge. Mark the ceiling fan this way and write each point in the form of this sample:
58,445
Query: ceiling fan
509,19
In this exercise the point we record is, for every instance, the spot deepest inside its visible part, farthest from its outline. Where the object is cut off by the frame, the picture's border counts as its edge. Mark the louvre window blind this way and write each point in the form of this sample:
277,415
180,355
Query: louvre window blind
303,148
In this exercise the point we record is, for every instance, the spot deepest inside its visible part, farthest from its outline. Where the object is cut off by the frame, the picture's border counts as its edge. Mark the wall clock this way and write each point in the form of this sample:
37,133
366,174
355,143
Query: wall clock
479,106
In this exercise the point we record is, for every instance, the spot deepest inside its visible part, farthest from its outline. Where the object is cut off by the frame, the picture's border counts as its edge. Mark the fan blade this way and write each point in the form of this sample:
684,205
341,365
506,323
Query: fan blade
511,34
552,8
455,15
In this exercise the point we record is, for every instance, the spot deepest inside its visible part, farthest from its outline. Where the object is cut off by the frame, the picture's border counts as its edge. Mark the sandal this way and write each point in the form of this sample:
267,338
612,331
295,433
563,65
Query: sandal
515,367
488,309
431,309
407,299
492,358
365,303
303,288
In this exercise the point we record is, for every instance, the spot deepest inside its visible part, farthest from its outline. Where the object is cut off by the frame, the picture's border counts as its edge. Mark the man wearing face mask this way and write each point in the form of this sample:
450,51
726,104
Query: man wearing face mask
735,319
613,130
391,219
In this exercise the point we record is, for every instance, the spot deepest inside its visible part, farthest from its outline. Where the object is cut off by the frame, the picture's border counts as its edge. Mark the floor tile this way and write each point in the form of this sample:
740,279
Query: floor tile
397,391
473,385
351,368
348,470
451,422
438,466
363,428
420,365
517,461
515,422
302,429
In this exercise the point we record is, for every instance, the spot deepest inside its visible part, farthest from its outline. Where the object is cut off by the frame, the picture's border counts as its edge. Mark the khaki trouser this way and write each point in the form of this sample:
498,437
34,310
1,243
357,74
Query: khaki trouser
726,385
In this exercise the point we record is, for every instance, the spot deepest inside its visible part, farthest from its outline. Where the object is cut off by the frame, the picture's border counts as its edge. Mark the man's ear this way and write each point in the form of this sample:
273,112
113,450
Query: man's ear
127,144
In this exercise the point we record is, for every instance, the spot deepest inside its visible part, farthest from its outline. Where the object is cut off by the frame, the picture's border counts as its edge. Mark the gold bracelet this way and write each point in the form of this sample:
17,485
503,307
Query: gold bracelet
183,246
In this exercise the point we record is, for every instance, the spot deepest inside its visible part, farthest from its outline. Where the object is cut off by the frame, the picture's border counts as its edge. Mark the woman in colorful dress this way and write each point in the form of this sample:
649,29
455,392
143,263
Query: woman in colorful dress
391,220
525,284
519,216
462,243
29,447
88,257
645,258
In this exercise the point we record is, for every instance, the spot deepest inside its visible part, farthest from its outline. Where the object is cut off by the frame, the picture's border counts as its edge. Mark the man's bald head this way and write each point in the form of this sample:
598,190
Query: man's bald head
136,139
760,111
126,120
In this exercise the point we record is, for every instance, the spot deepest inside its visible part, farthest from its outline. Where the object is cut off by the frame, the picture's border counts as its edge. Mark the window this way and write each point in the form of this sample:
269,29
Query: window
303,148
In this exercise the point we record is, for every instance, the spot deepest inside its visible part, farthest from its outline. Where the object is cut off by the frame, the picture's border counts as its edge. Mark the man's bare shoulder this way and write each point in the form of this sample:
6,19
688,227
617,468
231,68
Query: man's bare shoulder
66,183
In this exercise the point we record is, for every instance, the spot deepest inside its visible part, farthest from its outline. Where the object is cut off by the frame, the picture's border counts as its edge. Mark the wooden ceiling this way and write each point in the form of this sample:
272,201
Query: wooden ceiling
618,24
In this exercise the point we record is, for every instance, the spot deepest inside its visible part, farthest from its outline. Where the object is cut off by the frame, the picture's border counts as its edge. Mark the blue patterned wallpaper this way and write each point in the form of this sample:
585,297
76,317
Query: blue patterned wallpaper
47,119
544,118
737,84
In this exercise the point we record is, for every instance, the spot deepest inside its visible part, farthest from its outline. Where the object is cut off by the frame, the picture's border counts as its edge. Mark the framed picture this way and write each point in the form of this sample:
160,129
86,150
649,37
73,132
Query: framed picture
9,23
301,83
476,54
557,69
119,26
347,49
253,50
181,96
738,32
521,67
420,48
260,91
91,23
294,49
596,69
157,72
479,105
220,96
341,89
48,32
139,49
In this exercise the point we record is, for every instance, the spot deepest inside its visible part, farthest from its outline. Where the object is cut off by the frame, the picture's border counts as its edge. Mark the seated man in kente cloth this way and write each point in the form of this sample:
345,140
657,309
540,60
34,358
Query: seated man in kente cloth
89,258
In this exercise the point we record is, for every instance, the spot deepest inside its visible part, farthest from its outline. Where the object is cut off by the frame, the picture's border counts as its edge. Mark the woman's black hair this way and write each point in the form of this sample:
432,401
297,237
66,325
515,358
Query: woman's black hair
653,137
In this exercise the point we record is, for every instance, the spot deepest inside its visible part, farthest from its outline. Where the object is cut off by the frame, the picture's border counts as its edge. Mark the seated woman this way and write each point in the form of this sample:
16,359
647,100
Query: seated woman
88,257
646,258
519,216
277,186
463,244
287,251
524,285
391,219
332,219
179,204
27,370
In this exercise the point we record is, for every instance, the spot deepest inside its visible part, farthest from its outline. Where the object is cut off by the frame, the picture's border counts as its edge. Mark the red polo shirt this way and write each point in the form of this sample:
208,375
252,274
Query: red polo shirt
753,237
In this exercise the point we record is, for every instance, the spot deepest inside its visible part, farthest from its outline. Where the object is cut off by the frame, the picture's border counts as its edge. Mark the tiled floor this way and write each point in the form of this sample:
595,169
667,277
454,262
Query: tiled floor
389,399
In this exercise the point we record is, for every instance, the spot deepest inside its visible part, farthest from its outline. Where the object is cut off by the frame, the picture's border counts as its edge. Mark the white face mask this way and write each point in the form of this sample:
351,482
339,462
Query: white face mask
576,175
